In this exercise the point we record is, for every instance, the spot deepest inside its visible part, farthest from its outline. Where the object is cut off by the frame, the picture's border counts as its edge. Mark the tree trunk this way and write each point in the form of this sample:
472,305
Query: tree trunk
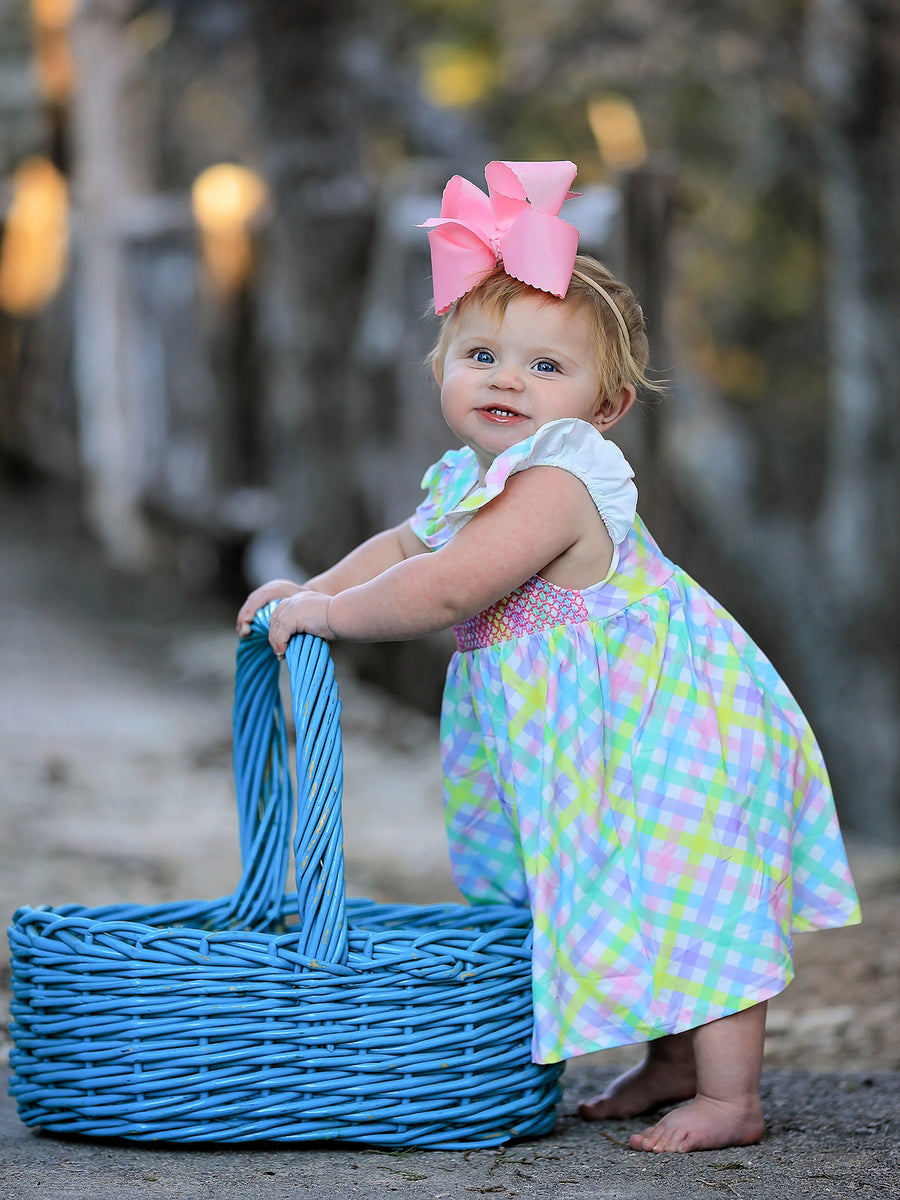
828,585
853,69
104,182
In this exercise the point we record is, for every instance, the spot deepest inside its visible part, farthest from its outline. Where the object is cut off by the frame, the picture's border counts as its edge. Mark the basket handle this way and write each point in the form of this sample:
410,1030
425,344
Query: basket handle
264,792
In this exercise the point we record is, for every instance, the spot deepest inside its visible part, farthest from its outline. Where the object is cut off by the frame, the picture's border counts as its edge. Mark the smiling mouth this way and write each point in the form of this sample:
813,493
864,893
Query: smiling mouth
498,411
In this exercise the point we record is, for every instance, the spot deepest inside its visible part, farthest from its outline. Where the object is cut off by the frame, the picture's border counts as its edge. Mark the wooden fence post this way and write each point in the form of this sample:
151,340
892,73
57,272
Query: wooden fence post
648,202
104,162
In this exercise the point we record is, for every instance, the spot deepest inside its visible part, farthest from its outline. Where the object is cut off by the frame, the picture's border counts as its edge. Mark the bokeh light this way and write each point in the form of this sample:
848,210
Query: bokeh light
35,247
52,55
457,76
226,199
617,130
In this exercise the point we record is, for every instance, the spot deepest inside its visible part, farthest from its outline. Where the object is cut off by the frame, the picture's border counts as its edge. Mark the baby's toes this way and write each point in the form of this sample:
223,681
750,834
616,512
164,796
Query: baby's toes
646,1139
661,1138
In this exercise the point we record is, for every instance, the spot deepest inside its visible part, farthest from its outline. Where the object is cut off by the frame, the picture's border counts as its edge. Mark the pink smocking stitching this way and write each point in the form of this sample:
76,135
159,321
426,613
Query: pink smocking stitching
537,604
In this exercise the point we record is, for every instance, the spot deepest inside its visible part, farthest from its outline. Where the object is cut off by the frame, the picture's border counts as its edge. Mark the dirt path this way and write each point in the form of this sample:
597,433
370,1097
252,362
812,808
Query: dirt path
115,780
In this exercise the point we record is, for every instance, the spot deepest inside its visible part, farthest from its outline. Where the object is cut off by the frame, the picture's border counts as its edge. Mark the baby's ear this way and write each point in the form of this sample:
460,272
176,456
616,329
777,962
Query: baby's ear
612,409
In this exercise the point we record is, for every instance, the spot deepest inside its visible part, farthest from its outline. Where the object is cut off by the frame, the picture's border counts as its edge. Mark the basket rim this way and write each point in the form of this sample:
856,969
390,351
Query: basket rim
450,938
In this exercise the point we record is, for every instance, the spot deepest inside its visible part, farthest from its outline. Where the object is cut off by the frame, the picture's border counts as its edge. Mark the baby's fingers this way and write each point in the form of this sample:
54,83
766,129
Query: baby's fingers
246,613
278,642
257,599
280,631
275,589
245,624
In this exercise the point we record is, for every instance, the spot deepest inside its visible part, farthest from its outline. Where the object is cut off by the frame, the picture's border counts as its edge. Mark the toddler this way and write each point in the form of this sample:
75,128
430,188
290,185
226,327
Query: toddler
617,754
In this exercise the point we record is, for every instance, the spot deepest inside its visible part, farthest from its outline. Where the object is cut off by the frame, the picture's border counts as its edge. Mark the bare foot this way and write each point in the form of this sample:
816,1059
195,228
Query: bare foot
703,1124
667,1075
718,1064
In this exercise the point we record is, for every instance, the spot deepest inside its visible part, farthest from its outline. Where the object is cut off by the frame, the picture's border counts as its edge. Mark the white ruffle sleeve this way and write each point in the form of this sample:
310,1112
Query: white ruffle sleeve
455,495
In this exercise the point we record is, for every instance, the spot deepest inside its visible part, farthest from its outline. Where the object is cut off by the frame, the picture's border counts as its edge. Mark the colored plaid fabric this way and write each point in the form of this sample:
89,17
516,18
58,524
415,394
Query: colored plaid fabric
627,762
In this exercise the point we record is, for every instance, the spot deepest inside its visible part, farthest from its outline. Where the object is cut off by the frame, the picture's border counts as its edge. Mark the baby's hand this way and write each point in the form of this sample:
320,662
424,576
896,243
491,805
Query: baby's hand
275,589
304,612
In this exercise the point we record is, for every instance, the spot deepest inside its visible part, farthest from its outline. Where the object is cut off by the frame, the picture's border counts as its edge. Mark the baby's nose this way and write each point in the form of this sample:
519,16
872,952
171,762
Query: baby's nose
507,378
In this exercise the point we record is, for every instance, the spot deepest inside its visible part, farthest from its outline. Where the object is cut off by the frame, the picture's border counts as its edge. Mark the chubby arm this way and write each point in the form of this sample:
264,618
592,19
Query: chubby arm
360,565
369,559
542,515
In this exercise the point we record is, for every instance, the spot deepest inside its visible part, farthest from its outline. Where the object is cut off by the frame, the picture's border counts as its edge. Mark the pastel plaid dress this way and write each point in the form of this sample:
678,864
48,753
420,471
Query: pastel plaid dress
625,761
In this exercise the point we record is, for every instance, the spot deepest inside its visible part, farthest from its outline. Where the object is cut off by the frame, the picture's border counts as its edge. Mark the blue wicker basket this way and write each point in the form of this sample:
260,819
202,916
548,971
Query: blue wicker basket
265,1016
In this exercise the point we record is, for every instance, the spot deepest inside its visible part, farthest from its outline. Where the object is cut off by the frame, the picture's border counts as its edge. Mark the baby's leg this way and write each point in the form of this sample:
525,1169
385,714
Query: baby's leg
726,1111
667,1075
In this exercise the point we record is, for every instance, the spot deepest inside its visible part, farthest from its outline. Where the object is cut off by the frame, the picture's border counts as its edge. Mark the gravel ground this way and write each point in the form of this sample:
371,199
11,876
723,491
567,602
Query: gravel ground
115,784
830,1137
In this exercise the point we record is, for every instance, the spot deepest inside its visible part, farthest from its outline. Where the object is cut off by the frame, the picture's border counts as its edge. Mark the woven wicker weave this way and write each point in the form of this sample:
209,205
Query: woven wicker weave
271,1016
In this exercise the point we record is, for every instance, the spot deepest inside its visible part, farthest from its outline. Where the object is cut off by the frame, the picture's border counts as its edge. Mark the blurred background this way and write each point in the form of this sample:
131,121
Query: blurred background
213,299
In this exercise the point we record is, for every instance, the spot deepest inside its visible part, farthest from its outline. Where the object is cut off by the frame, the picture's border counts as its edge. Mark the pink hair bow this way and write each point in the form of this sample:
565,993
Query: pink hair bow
517,224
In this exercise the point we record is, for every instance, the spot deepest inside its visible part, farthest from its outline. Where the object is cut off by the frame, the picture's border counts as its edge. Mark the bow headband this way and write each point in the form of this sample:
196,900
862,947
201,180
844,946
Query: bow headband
516,224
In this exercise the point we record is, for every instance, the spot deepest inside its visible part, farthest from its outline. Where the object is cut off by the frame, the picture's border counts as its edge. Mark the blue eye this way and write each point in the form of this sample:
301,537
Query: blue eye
483,356
545,366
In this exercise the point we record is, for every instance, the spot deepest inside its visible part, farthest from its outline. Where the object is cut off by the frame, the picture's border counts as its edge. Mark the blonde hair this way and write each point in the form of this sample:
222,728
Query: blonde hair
617,322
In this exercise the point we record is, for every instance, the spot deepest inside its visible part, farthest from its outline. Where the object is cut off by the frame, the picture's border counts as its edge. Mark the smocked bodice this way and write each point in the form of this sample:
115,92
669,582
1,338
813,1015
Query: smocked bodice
640,568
